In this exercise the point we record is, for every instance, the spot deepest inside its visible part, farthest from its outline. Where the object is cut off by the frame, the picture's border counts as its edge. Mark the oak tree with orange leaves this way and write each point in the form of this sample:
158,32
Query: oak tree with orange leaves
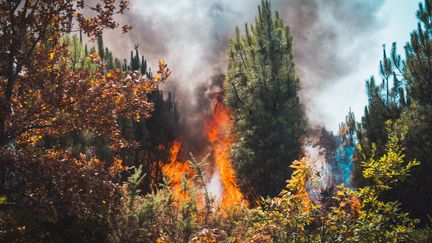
42,95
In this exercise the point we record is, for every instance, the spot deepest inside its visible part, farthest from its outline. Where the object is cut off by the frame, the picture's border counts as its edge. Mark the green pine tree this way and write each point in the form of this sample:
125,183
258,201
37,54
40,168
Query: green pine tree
407,102
386,101
415,193
101,47
262,91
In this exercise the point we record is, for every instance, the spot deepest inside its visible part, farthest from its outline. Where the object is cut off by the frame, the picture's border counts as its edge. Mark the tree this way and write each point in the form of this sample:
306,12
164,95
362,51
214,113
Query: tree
386,101
30,46
418,71
44,93
414,193
101,47
408,104
340,214
154,138
261,88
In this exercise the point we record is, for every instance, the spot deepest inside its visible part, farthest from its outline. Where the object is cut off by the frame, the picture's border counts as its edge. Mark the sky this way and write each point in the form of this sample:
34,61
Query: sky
398,18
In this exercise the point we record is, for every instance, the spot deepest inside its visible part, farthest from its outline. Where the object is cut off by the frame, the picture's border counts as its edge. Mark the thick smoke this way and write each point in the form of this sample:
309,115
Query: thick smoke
330,39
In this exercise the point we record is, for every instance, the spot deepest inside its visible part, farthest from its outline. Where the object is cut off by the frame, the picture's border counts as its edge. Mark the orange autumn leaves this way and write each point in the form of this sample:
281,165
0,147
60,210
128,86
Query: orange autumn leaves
40,91
51,98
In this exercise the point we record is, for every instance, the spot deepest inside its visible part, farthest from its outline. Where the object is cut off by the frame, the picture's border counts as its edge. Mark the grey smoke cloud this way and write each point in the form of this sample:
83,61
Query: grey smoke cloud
330,38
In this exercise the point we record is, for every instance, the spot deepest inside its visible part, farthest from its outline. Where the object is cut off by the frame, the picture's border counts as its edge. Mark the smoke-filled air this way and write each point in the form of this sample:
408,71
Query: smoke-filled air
215,121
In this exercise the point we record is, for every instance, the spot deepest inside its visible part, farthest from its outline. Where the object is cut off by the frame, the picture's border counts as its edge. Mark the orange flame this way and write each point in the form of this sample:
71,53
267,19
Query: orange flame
217,127
176,171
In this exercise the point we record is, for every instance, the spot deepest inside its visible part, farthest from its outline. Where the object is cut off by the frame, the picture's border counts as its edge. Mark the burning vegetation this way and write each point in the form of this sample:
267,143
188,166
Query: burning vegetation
218,132
86,141
178,171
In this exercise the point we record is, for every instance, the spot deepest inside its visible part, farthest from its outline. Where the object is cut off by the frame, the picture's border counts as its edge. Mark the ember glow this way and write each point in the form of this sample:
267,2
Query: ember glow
217,128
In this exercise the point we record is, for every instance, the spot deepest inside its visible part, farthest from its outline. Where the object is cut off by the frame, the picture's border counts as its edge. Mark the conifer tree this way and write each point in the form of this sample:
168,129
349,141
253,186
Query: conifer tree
408,102
262,91
101,47
143,65
131,61
117,63
415,193
419,52
386,101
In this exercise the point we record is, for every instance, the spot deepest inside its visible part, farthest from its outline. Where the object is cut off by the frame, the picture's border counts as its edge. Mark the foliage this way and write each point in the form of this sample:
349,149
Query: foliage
73,120
50,88
299,214
417,70
158,216
386,101
54,196
30,46
345,215
407,103
261,89
154,138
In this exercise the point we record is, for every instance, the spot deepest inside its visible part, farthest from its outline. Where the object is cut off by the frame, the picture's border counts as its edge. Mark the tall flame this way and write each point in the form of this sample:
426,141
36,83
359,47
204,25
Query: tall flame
177,171
217,128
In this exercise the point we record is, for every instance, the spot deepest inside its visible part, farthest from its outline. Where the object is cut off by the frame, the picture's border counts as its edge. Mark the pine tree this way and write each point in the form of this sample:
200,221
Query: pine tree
386,101
143,66
101,47
117,63
110,61
75,48
415,193
419,54
131,61
262,91
408,102
136,59
125,67
155,136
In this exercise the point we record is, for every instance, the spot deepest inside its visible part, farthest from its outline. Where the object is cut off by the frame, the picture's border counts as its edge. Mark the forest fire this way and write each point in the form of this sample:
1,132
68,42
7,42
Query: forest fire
217,131
177,172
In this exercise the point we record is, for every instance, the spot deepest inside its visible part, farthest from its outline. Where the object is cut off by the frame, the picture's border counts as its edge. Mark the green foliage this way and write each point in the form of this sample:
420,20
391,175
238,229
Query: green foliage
418,53
261,88
79,56
386,101
384,174
158,215
57,191
341,214
408,104
3,199
390,168
338,215
154,137
101,47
